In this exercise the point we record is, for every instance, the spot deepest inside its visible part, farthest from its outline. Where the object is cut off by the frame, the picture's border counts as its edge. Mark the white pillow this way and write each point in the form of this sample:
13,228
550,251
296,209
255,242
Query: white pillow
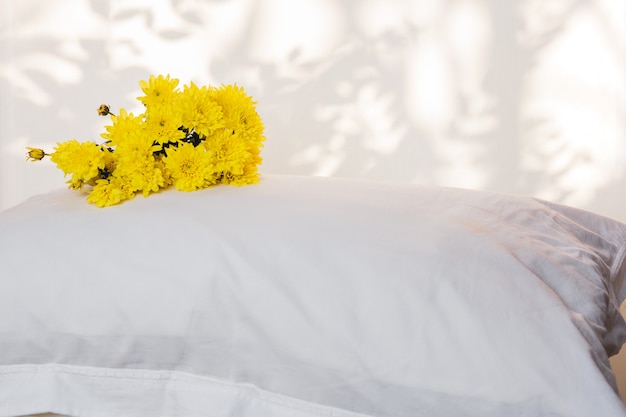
307,296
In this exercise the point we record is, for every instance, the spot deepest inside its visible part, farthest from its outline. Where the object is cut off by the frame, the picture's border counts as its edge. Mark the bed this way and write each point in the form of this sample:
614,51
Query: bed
306,296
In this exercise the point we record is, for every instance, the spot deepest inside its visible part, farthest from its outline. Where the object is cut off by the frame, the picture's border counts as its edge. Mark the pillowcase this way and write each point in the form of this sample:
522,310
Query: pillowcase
305,296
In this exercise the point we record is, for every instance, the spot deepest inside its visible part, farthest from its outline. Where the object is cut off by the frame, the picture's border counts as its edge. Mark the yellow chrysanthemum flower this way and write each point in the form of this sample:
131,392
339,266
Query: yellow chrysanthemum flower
159,164
228,152
199,110
77,184
240,113
108,193
82,160
158,90
241,116
192,139
140,173
163,124
249,176
137,144
190,167
153,180
123,125
110,159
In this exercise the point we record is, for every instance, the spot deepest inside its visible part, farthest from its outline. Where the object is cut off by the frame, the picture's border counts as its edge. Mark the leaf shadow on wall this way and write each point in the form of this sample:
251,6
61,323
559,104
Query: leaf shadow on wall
347,113
339,116
503,152
336,119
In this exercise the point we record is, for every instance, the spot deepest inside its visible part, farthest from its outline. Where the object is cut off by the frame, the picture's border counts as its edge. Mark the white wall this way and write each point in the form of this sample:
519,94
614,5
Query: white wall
521,96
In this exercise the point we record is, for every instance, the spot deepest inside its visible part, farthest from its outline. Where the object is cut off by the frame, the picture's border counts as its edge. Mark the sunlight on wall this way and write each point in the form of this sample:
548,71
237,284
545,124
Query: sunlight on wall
524,97
593,130
290,33
575,89
158,38
45,21
468,36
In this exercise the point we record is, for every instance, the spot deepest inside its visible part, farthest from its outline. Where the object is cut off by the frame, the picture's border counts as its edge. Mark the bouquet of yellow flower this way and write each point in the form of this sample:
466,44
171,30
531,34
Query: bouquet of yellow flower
192,139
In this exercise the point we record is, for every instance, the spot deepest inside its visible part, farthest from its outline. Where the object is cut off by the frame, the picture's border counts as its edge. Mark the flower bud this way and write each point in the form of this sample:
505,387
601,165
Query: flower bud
35,154
104,110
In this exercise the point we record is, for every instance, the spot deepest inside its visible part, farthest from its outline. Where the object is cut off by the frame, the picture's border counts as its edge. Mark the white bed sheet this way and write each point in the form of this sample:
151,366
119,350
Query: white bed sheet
310,297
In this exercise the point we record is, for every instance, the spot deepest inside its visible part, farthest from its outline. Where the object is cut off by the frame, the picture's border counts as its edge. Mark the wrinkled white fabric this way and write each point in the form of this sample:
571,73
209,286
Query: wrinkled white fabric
307,297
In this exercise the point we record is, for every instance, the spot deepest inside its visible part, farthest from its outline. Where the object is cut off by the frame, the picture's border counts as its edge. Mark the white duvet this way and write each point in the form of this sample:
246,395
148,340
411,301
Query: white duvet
303,297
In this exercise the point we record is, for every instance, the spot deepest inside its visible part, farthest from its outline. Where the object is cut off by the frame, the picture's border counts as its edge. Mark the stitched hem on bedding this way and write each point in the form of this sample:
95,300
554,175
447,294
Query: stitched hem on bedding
81,391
